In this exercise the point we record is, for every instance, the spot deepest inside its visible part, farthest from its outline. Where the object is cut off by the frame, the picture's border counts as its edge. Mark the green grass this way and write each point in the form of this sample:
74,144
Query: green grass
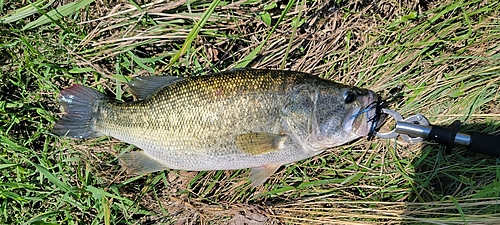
446,54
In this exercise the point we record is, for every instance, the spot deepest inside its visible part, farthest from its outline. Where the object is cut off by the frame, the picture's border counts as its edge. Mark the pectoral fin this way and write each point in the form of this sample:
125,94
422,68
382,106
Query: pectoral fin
142,87
140,163
259,175
260,143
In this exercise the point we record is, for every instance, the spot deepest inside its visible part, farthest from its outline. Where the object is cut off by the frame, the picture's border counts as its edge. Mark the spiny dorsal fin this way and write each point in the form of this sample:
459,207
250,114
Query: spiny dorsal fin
139,163
260,174
144,86
260,143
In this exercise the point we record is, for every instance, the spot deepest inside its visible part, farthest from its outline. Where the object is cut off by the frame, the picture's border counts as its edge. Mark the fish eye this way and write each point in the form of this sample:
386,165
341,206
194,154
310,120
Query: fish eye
349,97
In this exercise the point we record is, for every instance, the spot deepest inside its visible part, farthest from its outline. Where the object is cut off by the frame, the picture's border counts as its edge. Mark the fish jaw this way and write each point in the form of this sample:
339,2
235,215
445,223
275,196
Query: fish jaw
353,121
358,124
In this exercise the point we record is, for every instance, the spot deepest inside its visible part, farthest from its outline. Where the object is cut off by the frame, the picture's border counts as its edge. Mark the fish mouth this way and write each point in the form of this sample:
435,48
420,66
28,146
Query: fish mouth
359,120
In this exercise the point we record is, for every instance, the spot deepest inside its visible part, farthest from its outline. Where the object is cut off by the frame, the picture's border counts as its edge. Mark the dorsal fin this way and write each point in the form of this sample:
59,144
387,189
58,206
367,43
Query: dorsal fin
143,86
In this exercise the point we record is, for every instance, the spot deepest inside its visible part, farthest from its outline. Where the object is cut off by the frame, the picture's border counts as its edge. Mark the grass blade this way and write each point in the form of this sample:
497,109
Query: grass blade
24,12
3,166
294,32
98,193
53,179
245,61
194,32
41,217
56,14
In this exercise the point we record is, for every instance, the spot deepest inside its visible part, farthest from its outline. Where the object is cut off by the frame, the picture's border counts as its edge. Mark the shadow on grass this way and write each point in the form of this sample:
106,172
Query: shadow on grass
457,188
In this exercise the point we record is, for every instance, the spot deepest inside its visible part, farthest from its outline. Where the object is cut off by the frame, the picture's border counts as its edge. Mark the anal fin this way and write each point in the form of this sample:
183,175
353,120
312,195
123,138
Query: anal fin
139,163
260,174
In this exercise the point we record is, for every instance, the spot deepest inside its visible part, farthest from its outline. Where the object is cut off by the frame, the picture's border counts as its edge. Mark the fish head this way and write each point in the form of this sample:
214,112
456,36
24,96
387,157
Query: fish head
341,114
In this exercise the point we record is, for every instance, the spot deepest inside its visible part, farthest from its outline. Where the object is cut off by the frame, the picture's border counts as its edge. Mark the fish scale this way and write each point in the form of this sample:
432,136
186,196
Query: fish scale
258,119
182,118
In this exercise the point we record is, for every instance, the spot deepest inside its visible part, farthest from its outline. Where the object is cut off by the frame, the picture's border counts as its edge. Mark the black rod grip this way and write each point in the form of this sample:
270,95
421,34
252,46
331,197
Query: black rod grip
485,144
445,135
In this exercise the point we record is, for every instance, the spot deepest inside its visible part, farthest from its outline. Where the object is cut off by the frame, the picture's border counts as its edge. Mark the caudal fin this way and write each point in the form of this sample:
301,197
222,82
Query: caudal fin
80,104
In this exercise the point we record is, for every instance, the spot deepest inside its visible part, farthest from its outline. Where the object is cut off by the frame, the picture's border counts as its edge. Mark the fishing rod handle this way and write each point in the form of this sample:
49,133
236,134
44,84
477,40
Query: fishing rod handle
485,144
476,142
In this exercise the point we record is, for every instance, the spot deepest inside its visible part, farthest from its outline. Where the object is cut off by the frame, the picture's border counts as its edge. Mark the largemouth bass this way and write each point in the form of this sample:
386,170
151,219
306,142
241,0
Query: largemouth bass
259,119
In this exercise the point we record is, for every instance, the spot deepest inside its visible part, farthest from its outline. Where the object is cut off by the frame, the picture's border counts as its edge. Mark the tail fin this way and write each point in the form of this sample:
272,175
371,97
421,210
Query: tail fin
80,104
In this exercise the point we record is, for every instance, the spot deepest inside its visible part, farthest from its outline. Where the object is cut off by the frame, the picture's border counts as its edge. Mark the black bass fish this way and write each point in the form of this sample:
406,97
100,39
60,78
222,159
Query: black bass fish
259,119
